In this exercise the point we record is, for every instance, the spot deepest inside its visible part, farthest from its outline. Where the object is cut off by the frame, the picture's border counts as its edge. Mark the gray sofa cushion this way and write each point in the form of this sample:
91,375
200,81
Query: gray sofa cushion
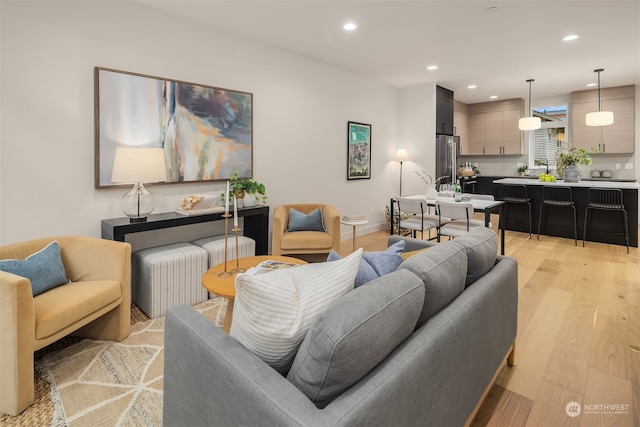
481,245
354,334
443,270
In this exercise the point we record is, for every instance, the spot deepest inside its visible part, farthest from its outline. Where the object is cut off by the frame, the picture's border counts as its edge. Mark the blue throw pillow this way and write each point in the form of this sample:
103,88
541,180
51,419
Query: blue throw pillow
376,264
299,221
44,268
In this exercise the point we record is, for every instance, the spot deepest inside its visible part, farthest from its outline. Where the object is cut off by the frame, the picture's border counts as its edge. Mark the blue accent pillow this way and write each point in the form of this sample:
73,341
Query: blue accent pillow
44,268
376,264
299,221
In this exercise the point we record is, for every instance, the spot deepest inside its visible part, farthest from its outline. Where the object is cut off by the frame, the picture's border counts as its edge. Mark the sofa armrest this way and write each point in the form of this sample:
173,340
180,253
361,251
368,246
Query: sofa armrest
332,224
209,374
16,343
280,222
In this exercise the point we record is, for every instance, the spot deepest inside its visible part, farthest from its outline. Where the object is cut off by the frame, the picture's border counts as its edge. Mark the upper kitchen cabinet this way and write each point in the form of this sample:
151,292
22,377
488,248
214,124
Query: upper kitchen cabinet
617,138
444,111
493,128
461,124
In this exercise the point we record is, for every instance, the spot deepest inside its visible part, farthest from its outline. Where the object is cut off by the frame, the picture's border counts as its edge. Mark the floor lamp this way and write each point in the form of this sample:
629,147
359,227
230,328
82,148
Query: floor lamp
401,156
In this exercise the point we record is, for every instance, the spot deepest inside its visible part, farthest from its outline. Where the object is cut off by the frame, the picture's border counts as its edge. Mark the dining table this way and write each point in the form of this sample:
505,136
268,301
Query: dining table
479,205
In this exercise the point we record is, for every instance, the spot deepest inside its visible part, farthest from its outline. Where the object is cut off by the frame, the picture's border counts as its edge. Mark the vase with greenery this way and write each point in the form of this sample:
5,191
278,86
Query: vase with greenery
567,163
431,192
522,170
240,187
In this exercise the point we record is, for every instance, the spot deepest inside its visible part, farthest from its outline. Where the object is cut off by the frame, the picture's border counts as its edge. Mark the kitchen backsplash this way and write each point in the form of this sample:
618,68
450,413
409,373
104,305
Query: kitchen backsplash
508,166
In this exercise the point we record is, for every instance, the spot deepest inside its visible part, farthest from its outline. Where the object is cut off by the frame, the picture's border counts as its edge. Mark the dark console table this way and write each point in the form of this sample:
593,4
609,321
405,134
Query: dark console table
256,224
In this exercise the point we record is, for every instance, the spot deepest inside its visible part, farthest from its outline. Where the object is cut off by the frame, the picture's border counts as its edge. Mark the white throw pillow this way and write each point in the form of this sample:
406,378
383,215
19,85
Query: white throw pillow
273,311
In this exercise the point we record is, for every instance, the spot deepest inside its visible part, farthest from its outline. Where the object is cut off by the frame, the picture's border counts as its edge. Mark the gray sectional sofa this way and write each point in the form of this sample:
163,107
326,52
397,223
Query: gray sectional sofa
456,303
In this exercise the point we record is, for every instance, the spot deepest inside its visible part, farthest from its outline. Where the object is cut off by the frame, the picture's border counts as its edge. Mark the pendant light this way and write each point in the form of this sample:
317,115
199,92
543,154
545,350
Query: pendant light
530,123
599,118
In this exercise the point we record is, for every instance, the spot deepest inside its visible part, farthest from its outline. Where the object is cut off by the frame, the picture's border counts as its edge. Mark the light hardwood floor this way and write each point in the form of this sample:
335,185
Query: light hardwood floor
578,326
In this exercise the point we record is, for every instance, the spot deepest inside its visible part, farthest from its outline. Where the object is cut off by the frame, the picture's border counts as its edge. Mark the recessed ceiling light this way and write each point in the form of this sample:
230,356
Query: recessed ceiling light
472,86
570,37
432,67
349,26
592,84
491,9
493,96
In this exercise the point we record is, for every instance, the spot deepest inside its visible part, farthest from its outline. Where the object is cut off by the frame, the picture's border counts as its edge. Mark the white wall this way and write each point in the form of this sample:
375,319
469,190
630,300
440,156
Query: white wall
417,135
301,109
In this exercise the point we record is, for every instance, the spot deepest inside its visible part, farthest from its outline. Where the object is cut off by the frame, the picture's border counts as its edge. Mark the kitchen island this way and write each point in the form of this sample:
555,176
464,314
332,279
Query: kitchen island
604,225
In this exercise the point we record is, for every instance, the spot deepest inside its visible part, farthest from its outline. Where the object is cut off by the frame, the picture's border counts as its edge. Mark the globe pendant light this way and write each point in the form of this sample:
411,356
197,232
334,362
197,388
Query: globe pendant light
599,118
530,123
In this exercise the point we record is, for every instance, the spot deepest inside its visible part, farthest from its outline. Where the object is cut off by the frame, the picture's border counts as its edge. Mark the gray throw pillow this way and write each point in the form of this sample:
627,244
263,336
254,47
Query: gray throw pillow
299,221
354,334
44,268
443,270
481,245
376,264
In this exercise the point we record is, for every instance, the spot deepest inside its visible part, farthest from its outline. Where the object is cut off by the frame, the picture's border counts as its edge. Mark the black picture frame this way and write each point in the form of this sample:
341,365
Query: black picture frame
358,150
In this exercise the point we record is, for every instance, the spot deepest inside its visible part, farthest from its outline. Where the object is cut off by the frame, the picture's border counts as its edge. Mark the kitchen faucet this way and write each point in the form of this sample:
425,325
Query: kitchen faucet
546,163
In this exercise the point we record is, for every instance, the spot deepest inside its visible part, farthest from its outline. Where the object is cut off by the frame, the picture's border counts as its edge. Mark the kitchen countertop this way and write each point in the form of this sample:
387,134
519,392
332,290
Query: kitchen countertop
583,183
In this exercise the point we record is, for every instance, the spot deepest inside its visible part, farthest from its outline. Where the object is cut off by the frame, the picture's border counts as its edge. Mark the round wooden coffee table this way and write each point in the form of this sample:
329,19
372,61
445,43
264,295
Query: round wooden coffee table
225,286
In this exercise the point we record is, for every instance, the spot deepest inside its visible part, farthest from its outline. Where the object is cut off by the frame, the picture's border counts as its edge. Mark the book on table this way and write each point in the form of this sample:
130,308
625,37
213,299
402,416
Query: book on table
353,218
269,265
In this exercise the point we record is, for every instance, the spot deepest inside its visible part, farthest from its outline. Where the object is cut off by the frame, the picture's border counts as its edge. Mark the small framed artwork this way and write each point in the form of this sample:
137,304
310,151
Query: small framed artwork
358,151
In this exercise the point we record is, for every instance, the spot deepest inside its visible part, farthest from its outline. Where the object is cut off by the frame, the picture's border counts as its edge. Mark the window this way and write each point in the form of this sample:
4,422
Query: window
550,138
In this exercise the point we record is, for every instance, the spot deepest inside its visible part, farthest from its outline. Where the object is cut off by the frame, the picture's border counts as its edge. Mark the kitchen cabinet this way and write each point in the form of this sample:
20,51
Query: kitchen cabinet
460,125
493,128
444,111
616,138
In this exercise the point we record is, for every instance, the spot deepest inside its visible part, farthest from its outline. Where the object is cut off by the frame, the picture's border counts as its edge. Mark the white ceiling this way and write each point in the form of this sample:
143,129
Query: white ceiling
396,40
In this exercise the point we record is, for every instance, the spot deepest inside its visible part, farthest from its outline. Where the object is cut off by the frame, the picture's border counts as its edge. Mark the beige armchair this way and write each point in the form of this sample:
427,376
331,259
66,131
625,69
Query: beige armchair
305,242
96,303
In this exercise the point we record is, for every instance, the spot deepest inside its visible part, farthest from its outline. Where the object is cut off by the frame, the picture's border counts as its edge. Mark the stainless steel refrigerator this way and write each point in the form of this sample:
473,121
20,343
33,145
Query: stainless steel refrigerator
447,158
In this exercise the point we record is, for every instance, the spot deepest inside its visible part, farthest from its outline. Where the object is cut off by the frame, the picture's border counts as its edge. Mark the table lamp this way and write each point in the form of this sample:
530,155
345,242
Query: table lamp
138,166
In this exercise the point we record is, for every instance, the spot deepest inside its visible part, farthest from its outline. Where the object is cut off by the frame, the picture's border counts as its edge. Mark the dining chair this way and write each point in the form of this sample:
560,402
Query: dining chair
461,219
421,219
607,199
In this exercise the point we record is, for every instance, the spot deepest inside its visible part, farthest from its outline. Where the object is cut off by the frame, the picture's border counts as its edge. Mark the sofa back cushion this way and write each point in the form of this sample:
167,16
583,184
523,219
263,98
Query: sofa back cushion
481,245
354,334
273,311
443,270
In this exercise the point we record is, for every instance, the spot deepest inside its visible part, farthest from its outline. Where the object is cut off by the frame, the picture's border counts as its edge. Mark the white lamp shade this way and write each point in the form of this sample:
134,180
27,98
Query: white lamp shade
529,123
132,165
401,155
599,118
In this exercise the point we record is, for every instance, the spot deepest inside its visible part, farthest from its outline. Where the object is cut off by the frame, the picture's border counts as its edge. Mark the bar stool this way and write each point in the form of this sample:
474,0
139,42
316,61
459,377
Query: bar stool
559,197
607,199
515,194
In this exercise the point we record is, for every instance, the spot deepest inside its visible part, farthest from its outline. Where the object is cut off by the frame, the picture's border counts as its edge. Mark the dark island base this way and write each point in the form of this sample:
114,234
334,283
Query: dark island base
606,226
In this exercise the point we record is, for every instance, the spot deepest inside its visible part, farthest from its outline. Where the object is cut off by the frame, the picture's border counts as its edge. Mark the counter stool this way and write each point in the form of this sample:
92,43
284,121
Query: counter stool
558,197
515,194
607,199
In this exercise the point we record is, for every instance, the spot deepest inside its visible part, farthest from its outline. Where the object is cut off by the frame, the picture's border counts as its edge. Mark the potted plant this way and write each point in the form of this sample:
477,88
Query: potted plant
522,170
241,187
567,163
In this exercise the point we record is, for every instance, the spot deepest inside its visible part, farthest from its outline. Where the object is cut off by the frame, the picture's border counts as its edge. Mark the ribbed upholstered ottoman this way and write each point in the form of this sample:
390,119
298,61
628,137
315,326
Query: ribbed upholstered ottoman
215,249
168,275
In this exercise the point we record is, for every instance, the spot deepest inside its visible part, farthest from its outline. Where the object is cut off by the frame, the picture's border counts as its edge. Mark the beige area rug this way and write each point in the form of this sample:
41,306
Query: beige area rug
105,383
